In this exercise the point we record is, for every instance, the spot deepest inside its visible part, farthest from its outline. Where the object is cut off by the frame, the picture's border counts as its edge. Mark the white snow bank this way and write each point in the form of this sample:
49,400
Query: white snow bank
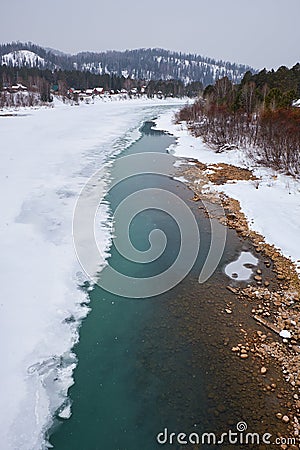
272,209
46,157
189,147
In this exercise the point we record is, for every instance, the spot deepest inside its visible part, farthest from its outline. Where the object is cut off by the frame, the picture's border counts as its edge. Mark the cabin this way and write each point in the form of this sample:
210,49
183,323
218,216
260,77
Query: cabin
133,91
16,88
98,91
54,88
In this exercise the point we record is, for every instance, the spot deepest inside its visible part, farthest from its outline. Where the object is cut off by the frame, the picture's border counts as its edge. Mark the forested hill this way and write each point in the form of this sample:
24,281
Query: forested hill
147,64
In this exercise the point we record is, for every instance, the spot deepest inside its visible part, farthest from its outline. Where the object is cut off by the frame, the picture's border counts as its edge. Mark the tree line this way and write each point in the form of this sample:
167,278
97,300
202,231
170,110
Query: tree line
45,82
257,114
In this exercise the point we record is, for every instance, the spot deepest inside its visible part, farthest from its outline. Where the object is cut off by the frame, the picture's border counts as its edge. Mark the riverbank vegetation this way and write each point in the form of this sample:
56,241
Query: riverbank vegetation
258,114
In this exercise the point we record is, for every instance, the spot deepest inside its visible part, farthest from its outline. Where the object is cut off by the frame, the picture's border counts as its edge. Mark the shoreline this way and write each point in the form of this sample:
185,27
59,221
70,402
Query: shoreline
268,190
272,306
275,303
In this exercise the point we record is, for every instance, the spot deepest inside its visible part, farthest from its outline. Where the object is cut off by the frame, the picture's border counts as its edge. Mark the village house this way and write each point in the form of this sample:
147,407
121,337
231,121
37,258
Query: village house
15,88
98,90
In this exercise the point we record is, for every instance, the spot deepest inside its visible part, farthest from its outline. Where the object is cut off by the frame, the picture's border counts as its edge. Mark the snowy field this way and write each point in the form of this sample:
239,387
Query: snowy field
47,156
273,209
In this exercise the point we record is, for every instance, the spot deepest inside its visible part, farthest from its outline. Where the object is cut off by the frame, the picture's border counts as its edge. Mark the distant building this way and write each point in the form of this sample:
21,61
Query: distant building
16,88
98,90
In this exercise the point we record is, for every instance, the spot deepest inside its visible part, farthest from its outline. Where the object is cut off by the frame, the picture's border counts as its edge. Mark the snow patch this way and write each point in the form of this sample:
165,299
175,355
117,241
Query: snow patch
237,270
285,334
22,58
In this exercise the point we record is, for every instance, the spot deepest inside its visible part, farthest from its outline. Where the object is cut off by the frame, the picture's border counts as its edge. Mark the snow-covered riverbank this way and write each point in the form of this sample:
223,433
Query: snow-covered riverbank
47,156
271,205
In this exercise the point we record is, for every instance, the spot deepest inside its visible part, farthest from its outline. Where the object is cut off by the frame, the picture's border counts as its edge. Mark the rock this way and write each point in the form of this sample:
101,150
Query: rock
235,349
221,408
285,419
231,216
279,416
228,311
257,278
244,355
263,370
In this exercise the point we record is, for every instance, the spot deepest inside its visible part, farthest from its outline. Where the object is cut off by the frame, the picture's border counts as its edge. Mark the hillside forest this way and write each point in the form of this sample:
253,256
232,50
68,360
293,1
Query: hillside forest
258,114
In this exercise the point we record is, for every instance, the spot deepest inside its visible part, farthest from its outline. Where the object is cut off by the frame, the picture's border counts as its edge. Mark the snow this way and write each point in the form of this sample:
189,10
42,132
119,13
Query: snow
125,73
285,334
272,210
181,179
272,205
296,102
237,270
47,155
66,412
22,57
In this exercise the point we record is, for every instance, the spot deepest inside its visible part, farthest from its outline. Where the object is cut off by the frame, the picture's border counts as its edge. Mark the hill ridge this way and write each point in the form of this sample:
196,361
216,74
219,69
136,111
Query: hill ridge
140,63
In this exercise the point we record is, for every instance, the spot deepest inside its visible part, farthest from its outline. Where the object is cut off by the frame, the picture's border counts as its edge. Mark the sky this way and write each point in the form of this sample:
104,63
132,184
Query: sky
260,33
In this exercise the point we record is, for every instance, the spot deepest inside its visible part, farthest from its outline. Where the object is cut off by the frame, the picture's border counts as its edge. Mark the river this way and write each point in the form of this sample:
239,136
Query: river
148,364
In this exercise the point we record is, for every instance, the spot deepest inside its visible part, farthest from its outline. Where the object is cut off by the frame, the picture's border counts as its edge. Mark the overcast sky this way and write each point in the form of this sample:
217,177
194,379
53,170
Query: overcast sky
261,33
